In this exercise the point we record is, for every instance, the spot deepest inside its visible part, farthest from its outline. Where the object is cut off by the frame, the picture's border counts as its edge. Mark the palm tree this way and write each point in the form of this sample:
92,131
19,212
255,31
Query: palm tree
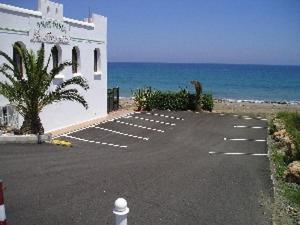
31,93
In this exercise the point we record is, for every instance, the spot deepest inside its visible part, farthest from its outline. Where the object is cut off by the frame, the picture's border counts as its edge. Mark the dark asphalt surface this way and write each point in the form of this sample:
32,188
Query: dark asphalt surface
170,179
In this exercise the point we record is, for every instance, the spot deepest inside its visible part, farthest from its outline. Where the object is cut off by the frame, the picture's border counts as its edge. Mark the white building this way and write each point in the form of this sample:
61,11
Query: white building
67,39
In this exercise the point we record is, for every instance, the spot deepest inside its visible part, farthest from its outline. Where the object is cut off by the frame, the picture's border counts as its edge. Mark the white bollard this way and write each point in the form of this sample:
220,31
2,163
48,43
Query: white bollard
121,210
2,208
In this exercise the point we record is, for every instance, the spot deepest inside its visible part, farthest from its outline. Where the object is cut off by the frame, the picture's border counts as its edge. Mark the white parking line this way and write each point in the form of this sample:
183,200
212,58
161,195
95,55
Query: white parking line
244,139
156,121
236,153
250,118
138,126
121,133
91,126
252,127
166,116
94,142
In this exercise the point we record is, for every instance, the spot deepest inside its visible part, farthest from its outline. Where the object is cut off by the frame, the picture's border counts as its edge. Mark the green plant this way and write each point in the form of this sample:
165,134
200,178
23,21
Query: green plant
207,102
279,162
142,98
147,99
170,100
31,94
292,124
272,127
289,190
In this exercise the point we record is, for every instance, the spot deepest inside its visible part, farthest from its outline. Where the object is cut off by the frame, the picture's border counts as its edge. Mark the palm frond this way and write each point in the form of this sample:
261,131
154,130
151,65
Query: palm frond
4,70
55,71
78,80
12,95
69,94
41,57
17,72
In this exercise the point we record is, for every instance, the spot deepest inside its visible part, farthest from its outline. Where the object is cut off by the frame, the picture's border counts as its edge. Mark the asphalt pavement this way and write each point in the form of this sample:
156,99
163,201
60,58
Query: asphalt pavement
173,168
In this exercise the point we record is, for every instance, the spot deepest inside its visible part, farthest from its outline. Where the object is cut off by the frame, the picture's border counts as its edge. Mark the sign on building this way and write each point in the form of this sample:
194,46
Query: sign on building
50,31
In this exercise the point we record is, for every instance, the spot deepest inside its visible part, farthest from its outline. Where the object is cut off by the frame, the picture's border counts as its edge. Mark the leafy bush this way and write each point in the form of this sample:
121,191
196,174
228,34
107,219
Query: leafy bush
207,102
147,99
272,127
170,100
292,125
142,98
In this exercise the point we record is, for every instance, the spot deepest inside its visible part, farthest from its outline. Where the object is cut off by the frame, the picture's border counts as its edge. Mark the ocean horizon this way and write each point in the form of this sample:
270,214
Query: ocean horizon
234,82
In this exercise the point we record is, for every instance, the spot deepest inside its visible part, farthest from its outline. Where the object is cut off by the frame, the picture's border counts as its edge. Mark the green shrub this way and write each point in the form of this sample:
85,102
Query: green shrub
170,100
207,102
142,98
292,125
272,127
147,99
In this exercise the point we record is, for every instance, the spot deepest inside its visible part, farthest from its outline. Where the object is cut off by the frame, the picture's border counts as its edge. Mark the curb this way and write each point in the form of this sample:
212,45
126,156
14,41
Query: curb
25,139
272,171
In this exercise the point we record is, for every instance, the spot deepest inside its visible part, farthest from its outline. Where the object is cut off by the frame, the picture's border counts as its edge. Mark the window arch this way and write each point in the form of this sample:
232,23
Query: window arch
17,58
56,55
97,60
75,60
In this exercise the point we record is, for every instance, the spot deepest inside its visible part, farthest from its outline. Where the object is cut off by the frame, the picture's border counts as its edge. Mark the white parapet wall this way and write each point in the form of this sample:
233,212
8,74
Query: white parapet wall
47,24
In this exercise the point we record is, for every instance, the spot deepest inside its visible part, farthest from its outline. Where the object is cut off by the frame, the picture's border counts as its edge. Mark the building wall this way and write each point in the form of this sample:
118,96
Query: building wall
16,25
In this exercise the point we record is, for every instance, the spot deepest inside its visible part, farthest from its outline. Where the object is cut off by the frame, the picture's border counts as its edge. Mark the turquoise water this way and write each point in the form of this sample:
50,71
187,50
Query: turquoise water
225,81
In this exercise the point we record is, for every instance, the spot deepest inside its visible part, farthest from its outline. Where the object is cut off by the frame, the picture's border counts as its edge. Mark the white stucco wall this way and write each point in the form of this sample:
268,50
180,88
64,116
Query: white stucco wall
15,26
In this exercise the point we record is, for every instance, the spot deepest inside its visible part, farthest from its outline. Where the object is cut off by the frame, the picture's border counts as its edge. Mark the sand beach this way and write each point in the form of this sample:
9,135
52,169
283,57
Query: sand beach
267,110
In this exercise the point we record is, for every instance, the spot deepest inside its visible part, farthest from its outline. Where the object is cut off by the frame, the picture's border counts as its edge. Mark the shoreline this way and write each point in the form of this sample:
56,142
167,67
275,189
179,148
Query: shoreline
266,109
244,101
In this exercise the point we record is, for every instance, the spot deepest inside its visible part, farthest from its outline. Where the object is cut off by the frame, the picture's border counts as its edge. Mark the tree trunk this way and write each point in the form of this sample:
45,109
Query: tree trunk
198,89
32,124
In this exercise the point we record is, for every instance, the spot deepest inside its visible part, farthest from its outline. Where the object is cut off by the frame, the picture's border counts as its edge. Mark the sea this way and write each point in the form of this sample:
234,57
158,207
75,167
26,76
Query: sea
240,83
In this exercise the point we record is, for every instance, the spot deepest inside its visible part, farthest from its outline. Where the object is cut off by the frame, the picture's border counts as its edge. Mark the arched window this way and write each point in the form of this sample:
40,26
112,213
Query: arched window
75,60
97,60
55,59
17,57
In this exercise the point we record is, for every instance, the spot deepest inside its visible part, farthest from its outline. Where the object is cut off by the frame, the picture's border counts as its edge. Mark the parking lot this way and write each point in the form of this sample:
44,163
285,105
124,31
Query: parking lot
172,167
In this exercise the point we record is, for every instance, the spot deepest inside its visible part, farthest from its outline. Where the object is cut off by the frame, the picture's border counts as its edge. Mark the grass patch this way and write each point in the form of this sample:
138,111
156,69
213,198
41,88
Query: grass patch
292,125
290,191
278,159
288,194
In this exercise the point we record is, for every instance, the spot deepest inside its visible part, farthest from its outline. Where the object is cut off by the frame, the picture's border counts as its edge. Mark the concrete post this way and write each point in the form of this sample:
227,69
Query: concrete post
2,208
121,210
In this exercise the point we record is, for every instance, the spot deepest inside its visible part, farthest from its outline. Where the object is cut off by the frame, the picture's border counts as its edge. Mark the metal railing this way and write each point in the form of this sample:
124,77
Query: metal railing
9,116
113,99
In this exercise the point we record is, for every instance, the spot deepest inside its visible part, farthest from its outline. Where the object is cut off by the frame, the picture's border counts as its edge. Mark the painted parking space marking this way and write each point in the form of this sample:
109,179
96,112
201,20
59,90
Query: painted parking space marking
161,115
165,116
246,117
252,127
95,142
244,139
236,153
251,118
92,125
121,133
154,121
139,126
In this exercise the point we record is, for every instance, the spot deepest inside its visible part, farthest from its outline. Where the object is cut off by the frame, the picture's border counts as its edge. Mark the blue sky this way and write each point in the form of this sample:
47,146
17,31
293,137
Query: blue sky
196,31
